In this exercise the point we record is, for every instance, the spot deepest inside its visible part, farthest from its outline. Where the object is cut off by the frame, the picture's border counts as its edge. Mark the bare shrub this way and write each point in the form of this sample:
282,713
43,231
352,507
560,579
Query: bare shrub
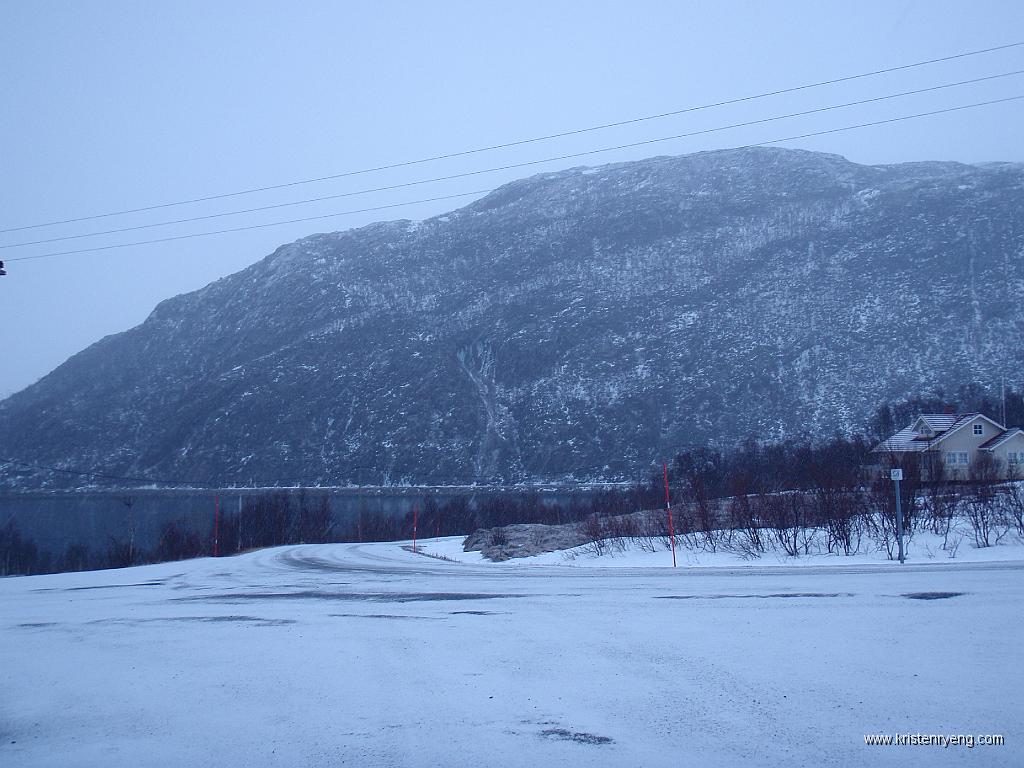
698,517
784,514
748,539
177,543
592,530
844,524
1013,501
880,513
983,512
499,537
652,528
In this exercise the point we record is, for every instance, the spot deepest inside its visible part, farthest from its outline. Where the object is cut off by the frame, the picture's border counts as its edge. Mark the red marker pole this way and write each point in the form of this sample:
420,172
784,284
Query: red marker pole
668,508
415,521
216,526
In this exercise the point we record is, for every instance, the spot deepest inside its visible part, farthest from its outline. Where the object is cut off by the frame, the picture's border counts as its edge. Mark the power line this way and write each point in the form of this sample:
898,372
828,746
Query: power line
251,226
481,192
521,142
524,164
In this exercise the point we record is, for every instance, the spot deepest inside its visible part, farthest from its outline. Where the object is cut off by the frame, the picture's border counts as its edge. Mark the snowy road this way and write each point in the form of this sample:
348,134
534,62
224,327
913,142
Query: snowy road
369,655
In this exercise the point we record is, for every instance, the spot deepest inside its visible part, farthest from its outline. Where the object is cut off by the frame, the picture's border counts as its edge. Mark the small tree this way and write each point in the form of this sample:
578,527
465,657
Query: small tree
177,543
18,555
314,520
748,540
1014,498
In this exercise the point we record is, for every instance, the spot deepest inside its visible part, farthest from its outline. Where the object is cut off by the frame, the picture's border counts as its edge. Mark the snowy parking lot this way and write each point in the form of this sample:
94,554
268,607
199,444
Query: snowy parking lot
370,655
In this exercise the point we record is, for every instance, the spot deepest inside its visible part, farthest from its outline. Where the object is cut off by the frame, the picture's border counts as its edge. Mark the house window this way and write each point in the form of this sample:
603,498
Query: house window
978,429
962,456
1012,457
951,457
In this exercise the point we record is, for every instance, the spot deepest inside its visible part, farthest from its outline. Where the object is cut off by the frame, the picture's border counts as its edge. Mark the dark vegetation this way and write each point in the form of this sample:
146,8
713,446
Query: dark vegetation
969,398
785,495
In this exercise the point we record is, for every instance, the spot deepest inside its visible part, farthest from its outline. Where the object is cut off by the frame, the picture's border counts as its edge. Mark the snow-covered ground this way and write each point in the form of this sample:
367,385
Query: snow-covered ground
922,547
370,655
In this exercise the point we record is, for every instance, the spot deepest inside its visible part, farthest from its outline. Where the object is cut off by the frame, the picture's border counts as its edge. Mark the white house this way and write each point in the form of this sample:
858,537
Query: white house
958,441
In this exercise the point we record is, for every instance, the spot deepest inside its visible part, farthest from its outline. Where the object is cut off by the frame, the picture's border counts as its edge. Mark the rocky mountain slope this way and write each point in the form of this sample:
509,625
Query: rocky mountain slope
571,325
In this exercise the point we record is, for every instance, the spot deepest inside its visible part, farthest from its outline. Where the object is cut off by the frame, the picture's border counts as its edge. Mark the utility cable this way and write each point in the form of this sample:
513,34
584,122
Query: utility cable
524,164
531,140
251,226
811,134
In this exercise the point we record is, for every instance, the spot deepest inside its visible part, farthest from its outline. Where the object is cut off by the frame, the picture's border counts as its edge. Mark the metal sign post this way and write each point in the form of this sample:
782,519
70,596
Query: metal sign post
668,508
897,475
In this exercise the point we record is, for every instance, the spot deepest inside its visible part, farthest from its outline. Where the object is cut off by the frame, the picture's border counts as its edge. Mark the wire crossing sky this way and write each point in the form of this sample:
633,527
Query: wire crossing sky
535,139
118,106
526,164
476,193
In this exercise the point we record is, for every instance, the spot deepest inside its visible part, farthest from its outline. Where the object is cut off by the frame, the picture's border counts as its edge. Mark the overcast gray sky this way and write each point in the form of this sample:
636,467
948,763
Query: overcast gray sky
106,106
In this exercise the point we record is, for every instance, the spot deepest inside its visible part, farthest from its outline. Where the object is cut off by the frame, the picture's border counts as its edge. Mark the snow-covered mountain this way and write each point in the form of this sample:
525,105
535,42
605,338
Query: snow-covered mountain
577,324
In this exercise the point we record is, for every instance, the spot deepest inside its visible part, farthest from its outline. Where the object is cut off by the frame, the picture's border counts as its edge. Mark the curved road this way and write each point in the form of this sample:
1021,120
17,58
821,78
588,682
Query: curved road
367,655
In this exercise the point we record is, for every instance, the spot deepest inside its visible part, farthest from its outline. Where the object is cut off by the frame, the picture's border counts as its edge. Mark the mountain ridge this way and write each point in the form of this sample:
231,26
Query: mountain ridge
575,324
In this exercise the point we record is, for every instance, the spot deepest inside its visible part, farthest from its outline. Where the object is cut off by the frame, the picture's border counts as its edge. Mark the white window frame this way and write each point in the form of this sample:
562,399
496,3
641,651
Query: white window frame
951,458
963,459
979,429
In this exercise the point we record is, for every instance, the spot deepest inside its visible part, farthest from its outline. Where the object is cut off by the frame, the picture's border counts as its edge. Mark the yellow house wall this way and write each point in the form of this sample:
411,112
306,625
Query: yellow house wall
964,440
1016,444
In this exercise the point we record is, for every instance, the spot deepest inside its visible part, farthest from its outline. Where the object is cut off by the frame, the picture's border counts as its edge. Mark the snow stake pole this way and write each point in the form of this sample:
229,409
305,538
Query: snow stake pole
216,526
415,520
668,508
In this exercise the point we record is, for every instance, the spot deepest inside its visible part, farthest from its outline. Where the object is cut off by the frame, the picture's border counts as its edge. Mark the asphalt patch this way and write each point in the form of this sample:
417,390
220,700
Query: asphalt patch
563,734
773,596
376,597
932,595
254,620
383,616
101,586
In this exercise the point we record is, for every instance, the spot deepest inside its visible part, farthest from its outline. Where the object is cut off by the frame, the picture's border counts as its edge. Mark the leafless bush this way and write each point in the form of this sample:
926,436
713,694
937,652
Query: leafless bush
836,509
593,532
951,543
499,537
177,542
785,516
748,538
881,519
1013,499
983,511
697,516
939,508
652,529
880,515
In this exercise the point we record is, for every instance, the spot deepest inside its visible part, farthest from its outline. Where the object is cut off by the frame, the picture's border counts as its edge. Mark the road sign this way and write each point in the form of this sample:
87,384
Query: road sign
897,475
